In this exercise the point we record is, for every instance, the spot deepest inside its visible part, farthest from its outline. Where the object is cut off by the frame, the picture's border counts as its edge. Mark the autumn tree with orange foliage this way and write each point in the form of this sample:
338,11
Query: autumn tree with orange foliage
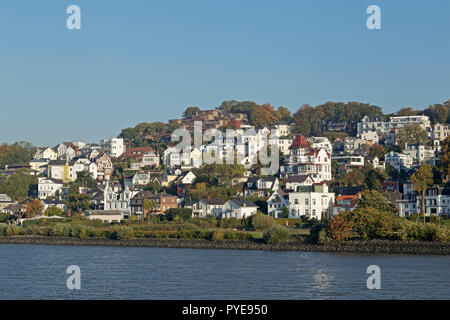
340,229
33,208
263,116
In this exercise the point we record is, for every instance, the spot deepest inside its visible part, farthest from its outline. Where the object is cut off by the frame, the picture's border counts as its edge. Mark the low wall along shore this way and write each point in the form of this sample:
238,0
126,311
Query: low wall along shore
369,247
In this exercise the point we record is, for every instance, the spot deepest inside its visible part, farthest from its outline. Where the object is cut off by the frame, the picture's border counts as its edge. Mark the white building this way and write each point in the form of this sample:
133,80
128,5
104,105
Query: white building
116,199
420,154
239,209
114,147
305,160
399,161
378,125
276,202
48,187
316,203
321,143
85,165
207,207
46,154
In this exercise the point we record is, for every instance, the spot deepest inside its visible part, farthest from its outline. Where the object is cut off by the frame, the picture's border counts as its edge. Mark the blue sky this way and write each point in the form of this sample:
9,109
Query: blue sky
143,60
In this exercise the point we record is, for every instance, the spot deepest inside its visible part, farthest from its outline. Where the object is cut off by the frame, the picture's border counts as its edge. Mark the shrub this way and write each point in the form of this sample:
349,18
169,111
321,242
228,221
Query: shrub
59,230
230,223
261,222
3,227
30,230
12,230
218,235
122,233
276,234
81,231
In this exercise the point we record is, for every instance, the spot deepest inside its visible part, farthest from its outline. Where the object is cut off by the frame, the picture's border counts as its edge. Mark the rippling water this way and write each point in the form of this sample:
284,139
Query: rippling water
38,272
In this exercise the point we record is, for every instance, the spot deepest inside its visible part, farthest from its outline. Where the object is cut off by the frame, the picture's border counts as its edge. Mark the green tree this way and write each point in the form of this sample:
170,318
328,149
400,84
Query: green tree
410,134
421,180
377,200
190,111
19,185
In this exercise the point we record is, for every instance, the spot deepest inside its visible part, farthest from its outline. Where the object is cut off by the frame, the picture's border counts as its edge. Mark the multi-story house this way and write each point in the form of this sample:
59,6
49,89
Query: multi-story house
345,203
379,126
113,147
348,163
368,124
440,131
39,165
313,204
305,160
282,129
276,202
321,143
159,203
399,161
239,209
85,165
59,170
104,168
117,199
48,187
400,122
296,182
45,153
207,207
420,154
67,151
370,137
262,187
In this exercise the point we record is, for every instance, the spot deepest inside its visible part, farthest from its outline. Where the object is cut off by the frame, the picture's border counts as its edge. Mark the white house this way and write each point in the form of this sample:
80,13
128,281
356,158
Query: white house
399,161
116,199
321,143
113,147
294,182
276,202
420,154
313,204
48,187
239,209
207,207
263,186
305,160
47,154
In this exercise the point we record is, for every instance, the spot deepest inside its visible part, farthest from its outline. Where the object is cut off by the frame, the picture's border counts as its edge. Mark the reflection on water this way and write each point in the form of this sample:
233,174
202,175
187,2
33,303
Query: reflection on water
321,279
39,272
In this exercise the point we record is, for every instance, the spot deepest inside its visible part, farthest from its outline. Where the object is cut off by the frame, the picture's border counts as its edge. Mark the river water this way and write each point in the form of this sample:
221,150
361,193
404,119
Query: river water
39,272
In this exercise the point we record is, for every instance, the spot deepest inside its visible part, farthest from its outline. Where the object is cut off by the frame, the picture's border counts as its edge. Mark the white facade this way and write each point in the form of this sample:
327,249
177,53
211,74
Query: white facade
311,204
321,143
48,187
207,207
114,147
238,209
399,161
420,154
116,199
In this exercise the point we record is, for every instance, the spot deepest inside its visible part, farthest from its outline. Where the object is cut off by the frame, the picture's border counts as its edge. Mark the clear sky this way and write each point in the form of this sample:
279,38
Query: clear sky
143,60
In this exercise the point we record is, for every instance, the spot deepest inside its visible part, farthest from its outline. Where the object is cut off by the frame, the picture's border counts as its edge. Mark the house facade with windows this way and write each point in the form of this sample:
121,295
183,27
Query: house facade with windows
239,209
207,207
314,204
48,187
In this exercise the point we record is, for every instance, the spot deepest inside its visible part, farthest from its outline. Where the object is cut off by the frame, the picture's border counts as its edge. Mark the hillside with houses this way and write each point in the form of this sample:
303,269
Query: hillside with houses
332,158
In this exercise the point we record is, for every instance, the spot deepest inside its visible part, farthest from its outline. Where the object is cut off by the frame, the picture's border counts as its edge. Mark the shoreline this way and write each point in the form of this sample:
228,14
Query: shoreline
363,247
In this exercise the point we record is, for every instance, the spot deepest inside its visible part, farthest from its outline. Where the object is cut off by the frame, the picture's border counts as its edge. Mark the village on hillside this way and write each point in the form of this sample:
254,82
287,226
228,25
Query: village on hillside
329,156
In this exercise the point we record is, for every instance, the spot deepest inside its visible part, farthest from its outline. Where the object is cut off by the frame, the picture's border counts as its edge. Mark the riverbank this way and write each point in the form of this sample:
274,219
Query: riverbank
368,247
